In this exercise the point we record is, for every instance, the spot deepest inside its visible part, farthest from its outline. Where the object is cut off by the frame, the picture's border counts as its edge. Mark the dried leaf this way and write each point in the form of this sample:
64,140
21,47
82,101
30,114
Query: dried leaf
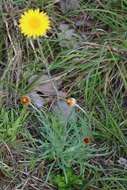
67,5
43,86
68,37
37,100
123,162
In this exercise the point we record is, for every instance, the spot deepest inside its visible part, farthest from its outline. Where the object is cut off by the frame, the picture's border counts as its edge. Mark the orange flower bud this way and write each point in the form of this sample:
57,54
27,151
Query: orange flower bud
87,140
25,100
71,102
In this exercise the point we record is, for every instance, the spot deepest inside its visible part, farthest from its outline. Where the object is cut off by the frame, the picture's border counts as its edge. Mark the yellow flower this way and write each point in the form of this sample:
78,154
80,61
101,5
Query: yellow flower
34,23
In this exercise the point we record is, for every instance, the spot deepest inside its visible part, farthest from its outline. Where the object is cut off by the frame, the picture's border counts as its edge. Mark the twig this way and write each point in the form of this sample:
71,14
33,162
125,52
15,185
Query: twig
25,183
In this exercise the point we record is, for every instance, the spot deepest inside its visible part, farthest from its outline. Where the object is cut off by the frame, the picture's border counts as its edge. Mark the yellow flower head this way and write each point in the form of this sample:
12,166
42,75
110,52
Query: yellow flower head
34,23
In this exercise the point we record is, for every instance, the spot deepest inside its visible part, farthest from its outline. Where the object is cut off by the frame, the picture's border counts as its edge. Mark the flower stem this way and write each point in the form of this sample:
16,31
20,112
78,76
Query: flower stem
46,66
